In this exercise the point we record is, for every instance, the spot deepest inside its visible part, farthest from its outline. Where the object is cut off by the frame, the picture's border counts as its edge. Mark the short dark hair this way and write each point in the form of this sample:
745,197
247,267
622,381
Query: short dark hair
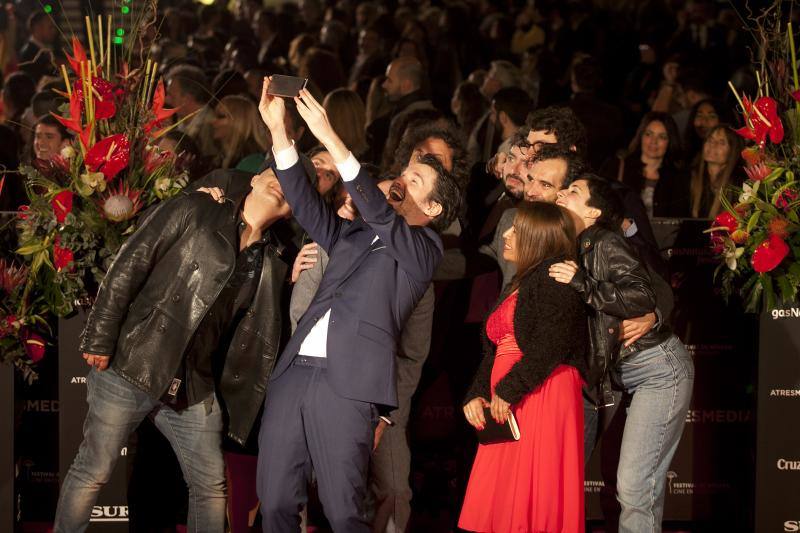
49,120
563,123
417,131
576,167
514,102
192,81
602,196
446,193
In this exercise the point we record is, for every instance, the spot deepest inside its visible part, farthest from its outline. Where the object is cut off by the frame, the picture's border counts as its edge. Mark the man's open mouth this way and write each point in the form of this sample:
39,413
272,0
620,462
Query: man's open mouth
396,193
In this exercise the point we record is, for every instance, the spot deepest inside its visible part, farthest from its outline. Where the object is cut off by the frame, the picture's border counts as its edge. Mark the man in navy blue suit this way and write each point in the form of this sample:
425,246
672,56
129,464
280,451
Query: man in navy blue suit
337,372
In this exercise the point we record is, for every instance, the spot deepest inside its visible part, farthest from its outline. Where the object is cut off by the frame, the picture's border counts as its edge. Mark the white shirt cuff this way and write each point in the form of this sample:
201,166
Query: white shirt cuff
286,158
348,168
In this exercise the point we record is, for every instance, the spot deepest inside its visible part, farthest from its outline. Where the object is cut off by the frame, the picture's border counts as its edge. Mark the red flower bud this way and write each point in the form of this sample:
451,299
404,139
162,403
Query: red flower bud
34,345
62,205
62,257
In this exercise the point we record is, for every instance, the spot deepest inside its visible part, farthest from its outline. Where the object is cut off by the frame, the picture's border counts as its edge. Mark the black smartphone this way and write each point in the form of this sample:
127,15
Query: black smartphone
288,86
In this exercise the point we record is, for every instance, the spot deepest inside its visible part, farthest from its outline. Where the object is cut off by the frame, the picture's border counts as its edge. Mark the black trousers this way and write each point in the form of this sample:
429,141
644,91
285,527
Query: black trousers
306,424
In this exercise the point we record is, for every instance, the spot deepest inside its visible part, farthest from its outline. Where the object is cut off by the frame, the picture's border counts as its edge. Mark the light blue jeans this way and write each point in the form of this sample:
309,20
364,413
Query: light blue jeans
116,408
660,380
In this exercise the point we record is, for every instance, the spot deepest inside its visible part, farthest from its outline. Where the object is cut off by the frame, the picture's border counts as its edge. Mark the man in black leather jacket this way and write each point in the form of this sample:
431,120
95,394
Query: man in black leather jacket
186,328
656,370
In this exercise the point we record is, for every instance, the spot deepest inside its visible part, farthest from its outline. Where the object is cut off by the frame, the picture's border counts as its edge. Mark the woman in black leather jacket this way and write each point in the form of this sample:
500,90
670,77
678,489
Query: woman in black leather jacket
656,370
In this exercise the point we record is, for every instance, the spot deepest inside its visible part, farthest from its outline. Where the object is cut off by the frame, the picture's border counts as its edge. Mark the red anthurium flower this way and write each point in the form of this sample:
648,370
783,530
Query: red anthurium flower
62,205
62,257
762,120
109,156
34,344
159,113
727,221
769,254
786,197
104,106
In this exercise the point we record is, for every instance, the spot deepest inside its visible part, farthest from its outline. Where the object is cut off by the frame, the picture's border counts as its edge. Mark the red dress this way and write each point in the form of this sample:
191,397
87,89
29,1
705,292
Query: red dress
535,484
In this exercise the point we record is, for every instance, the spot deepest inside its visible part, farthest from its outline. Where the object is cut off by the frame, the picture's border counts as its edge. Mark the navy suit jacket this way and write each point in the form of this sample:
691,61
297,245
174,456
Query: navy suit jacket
370,287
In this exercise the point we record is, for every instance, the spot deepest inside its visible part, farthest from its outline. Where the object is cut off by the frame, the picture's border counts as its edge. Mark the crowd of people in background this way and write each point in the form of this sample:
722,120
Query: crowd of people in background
623,105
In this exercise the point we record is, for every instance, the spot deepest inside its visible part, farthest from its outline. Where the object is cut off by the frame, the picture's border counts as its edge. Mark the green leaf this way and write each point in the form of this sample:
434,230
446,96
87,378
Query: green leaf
30,249
769,291
753,221
754,296
787,288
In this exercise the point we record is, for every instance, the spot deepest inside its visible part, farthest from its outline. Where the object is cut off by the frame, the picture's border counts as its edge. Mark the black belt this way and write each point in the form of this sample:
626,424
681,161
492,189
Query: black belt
306,360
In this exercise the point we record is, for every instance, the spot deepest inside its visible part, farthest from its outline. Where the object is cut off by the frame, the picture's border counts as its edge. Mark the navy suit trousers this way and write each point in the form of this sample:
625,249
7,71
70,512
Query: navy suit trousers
306,423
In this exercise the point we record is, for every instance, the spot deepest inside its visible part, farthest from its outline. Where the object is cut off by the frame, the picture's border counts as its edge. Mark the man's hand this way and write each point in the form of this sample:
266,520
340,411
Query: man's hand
563,272
317,120
306,258
273,110
500,409
381,427
473,411
100,362
634,329
216,193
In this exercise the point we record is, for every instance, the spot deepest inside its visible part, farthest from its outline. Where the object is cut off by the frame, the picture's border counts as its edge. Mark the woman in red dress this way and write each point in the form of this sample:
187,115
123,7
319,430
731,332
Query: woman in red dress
539,329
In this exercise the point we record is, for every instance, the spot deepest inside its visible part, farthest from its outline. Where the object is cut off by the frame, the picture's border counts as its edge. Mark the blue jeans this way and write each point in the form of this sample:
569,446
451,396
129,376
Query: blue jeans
660,380
116,408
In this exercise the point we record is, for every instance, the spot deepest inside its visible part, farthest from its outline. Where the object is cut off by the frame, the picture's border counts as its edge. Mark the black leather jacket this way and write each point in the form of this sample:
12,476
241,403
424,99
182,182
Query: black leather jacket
159,288
616,285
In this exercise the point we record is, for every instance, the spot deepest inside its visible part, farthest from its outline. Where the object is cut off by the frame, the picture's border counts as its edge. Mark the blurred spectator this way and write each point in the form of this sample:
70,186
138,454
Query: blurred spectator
323,68
653,167
229,82
716,167
403,89
603,121
510,106
347,116
189,92
298,47
468,105
49,138
272,37
370,61
17,92
483,141
42,34
704,116
239,130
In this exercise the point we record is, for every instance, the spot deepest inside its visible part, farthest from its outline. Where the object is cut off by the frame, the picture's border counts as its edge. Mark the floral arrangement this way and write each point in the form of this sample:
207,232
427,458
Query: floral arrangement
85,201
757,235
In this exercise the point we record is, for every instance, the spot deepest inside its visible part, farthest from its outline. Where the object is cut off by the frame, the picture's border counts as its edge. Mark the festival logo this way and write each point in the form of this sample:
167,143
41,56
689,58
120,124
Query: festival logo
791,312
109,513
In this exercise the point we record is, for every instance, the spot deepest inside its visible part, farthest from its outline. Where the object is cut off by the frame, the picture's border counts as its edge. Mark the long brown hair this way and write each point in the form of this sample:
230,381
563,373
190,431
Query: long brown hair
544,231
347,115
701,180
247,134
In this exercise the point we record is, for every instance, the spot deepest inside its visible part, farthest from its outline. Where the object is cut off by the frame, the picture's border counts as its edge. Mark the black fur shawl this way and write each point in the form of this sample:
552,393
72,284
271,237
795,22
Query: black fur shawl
550,326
